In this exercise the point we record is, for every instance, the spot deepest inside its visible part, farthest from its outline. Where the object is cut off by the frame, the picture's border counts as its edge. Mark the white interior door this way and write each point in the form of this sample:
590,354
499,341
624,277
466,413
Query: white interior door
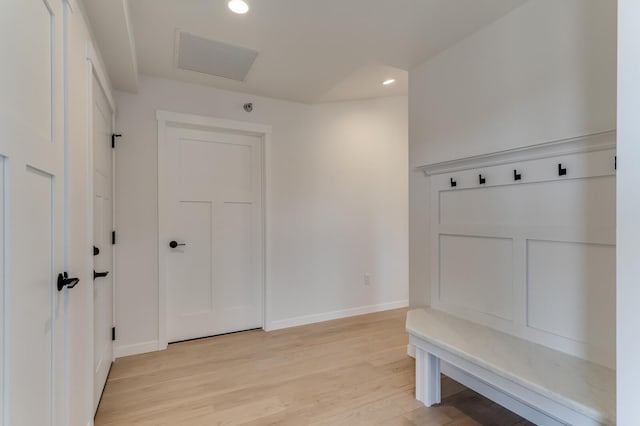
214,195
102,228
32,182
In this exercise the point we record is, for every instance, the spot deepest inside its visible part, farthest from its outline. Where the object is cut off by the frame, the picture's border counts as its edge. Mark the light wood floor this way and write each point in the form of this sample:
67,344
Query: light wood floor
346,372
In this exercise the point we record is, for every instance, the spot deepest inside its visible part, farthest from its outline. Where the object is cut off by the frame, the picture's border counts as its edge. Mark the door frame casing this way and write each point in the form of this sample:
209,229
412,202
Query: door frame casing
167,119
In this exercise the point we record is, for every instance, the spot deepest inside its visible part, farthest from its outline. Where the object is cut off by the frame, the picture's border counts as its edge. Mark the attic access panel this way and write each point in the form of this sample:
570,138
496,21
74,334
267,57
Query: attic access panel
213,57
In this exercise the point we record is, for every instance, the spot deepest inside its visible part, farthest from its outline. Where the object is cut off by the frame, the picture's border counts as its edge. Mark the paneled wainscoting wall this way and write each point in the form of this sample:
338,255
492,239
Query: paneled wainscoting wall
524,241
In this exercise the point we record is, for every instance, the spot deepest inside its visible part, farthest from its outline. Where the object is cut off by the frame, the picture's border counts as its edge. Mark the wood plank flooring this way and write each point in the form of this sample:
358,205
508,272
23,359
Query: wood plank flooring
353,371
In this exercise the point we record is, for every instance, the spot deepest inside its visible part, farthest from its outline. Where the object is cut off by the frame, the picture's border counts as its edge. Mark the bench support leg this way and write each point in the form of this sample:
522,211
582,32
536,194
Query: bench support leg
427,378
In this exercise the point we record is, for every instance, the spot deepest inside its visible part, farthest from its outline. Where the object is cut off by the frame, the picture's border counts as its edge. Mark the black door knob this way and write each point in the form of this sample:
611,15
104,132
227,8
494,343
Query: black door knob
174,244
96,251
99,274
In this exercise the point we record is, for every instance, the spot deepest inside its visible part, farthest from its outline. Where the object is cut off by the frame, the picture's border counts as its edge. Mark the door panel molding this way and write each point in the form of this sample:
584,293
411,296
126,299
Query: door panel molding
167,120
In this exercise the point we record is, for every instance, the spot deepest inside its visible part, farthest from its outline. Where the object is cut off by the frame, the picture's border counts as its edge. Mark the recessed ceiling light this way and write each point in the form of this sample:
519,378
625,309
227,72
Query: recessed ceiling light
238,6
389,81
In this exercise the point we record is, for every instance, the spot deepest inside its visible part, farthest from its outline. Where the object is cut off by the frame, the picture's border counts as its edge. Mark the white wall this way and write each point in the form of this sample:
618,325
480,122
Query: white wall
544,72
337,205
628,256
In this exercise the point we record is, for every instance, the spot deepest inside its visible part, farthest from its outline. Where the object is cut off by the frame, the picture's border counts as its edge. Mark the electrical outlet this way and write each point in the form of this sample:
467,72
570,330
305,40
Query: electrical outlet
367,279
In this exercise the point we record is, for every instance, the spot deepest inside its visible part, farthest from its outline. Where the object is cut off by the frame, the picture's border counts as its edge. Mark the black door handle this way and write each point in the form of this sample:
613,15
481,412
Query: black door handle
96,251
65,281
99,274
174,244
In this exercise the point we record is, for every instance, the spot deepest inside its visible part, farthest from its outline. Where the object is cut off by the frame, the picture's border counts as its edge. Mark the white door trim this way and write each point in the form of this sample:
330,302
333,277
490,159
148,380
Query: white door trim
173,119
98,69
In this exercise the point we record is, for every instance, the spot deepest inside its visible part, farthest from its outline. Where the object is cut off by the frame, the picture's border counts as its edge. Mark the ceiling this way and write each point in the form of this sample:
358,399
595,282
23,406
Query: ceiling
309,50
111,25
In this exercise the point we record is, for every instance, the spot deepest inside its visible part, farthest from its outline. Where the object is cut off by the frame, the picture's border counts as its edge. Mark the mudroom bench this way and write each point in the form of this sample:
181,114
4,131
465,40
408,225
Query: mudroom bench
543,385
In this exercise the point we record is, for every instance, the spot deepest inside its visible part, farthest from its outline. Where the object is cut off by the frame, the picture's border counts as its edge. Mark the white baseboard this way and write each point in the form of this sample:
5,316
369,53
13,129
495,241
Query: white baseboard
135,349
328,316
411,351
152,346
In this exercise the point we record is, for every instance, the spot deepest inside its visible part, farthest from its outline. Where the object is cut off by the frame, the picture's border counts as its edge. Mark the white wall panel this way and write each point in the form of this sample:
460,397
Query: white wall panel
533,257
477,273
570,203
33,67
31,323
571,291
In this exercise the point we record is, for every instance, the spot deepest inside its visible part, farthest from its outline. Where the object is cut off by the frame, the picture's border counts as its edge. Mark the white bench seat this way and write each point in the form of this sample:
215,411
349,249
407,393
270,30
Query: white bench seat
540,384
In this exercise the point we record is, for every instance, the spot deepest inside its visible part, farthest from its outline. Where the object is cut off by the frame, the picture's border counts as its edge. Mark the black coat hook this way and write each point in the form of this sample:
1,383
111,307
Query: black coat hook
516,175
453,183
562,171
482,180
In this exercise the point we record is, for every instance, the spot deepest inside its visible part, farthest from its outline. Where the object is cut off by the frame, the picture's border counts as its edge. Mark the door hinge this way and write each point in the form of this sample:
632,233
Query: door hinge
113,334
113,139
113,237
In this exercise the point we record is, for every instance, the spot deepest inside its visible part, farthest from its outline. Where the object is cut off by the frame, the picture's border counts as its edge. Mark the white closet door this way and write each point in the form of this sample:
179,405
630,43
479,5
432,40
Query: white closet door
32,182
102,228
214,209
